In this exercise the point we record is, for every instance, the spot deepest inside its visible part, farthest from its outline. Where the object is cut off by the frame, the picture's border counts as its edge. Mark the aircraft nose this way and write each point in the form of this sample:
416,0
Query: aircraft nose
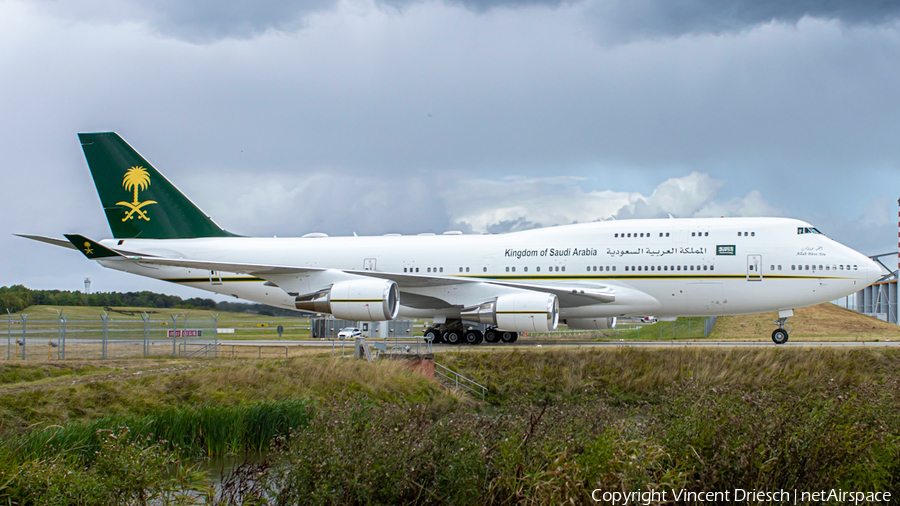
874,271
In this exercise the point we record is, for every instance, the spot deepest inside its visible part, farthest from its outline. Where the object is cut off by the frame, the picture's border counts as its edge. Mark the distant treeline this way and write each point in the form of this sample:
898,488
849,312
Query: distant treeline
18,297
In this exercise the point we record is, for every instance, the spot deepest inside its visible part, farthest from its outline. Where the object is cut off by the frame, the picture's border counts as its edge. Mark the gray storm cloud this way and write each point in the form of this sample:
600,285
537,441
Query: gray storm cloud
209,20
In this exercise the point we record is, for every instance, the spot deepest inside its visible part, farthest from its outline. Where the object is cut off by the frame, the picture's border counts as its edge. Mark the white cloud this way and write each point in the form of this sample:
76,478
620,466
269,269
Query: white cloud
521,203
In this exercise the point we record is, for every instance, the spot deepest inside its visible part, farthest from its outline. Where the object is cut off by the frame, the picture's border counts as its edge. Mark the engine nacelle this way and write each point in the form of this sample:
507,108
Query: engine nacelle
520,312
591,323
371,300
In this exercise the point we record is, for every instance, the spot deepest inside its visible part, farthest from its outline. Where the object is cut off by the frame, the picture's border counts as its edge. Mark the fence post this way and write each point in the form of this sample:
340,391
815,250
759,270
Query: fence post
215,335
8,332
24,320
184,335
62,345
689,328
105,317
174,339
146,318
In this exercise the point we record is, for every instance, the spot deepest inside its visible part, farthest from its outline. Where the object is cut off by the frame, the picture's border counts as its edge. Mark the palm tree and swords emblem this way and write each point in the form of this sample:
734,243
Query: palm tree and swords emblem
136,178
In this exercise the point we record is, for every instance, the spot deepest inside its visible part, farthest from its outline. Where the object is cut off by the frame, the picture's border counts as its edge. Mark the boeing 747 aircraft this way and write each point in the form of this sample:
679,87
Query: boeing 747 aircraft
585,275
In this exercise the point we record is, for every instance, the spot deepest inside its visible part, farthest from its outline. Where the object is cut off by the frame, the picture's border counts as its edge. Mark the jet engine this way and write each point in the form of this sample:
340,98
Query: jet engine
519,312
359,299
591,323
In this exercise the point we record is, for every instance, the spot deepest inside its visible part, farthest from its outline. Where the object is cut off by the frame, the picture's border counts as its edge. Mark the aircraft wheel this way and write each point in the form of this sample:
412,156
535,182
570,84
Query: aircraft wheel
435,335
779,336
452,337
508,337
492,336
474,337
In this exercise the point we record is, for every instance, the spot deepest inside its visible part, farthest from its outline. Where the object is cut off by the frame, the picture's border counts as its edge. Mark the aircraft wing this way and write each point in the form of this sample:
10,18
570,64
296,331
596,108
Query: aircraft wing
570,294
260,270
574,294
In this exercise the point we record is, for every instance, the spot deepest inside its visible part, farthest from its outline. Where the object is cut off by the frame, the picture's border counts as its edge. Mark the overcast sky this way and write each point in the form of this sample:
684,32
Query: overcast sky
282,118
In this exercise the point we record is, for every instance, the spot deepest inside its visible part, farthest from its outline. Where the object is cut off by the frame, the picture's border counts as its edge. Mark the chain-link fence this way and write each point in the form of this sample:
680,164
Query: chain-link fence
108,336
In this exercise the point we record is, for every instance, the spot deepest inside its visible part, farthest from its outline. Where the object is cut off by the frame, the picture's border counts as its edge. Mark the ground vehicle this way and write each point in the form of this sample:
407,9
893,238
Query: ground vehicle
349,333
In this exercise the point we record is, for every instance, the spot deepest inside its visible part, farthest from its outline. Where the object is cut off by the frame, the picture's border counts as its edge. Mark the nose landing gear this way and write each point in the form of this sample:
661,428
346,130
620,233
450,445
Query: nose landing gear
780,335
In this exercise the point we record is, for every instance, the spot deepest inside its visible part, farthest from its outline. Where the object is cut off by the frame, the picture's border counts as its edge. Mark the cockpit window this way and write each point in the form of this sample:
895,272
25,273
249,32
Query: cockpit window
808,230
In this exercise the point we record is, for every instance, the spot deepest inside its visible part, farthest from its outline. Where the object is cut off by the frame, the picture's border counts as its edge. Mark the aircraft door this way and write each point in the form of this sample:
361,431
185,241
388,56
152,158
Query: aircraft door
754,267
369,264
487,265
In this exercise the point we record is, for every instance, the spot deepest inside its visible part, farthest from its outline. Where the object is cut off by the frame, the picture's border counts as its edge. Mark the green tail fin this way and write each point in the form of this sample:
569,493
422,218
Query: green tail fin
139,201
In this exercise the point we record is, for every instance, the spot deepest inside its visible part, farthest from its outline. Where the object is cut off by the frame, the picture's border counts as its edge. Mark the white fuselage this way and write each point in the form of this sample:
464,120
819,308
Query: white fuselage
667,268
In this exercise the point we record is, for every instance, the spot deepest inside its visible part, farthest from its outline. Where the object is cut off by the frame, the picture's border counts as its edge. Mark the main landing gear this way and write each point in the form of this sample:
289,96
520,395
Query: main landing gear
780,335
460,334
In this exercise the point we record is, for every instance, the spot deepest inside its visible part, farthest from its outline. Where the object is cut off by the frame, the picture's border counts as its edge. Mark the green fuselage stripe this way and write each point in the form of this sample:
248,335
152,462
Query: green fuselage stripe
544,277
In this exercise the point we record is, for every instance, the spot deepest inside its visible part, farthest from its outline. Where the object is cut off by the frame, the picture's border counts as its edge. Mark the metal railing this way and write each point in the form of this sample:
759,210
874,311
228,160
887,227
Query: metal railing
202,350
459,381
390,346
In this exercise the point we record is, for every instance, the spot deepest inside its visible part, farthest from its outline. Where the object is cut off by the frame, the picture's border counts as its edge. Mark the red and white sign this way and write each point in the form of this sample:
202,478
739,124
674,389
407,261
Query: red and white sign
185,333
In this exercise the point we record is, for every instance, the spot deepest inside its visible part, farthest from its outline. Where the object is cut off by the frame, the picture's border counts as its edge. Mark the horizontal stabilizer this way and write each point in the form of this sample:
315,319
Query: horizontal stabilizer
49,240
91,249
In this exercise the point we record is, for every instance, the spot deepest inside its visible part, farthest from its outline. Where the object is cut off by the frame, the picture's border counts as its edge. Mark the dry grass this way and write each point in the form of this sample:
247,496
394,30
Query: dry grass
140,386
821,321
631,372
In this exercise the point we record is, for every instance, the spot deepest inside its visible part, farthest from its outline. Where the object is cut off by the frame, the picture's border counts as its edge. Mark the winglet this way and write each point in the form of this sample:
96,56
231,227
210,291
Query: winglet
91,249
